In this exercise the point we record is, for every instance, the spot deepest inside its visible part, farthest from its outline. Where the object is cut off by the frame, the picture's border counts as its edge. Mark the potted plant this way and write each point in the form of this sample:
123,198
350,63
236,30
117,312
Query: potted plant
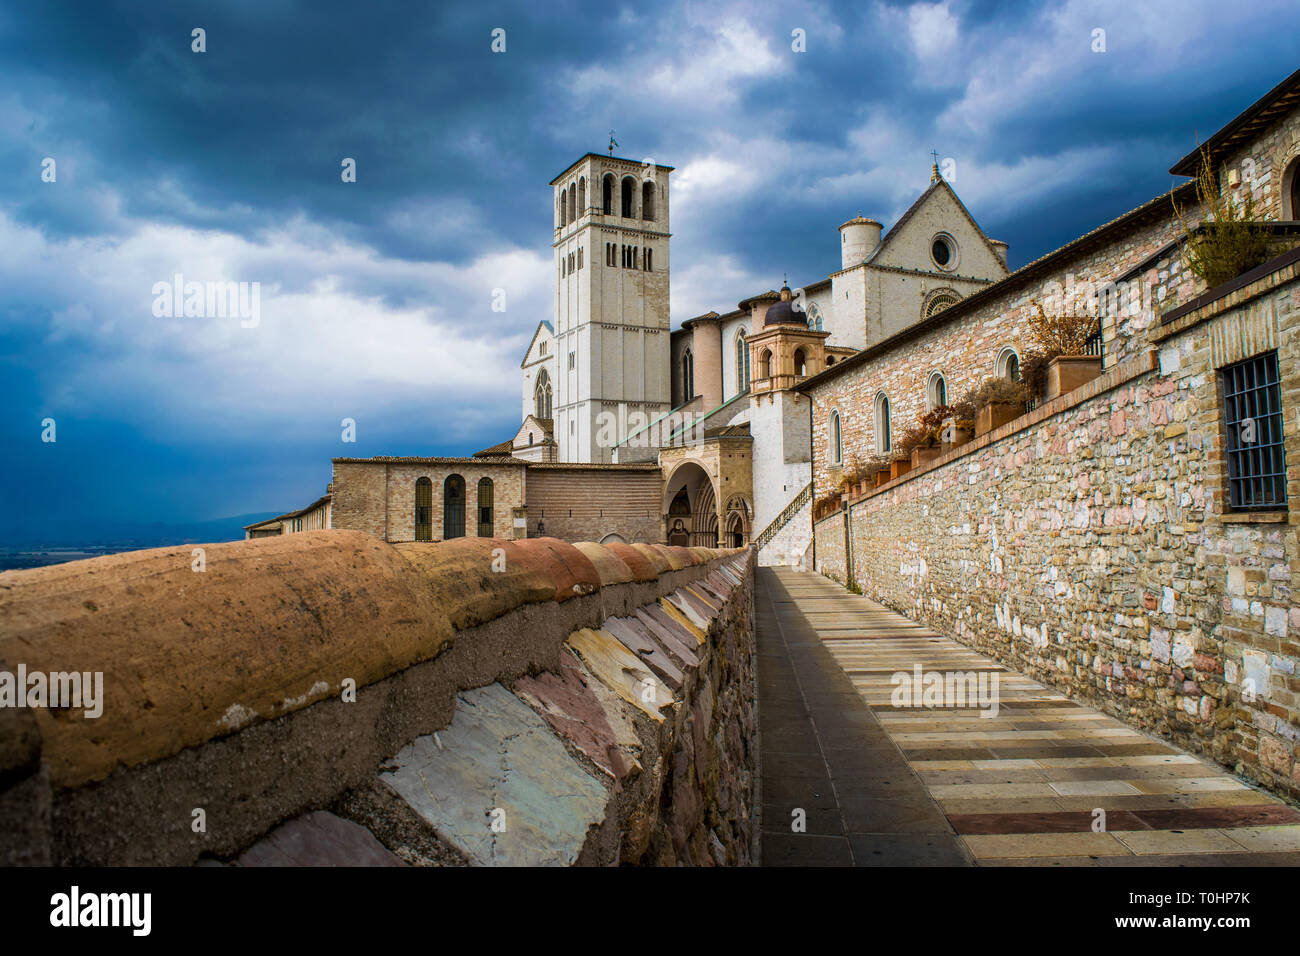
1065,338
875,472
923,437
998,400
1230,238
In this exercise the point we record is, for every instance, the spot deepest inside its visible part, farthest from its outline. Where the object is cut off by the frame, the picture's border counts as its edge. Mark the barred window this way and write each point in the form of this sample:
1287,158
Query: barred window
1252,417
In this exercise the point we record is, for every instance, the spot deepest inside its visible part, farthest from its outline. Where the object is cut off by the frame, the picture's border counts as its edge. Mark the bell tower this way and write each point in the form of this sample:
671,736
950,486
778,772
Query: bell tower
612,365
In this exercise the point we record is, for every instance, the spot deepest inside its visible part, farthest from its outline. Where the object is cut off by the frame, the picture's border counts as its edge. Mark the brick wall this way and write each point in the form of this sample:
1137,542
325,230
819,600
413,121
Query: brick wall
586,503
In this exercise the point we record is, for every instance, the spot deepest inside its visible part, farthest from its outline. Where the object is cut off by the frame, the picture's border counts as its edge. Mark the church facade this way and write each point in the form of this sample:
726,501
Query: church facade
630,430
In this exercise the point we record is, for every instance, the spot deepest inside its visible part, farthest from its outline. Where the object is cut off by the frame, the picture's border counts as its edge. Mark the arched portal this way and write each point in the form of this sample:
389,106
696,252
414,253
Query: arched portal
737,517
453,507
691,507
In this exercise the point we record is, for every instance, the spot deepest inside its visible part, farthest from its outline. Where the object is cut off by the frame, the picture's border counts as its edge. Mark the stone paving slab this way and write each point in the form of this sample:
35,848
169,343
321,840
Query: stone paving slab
498,755
318,839
1020,788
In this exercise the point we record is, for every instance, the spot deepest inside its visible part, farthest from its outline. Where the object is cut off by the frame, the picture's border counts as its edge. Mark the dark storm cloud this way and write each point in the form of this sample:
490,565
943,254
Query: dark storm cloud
226,165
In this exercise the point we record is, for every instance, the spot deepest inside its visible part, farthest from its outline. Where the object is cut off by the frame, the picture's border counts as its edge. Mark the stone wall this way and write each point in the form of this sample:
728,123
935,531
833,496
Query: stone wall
329,698
1090,544
964,342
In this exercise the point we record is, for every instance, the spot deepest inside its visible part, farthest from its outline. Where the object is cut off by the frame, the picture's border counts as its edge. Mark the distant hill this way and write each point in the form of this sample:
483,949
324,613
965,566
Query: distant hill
21,532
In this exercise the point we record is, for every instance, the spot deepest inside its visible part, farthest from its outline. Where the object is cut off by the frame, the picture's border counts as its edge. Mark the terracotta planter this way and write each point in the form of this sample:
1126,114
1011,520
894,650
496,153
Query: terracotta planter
897,469
923,455
995,416
1065,373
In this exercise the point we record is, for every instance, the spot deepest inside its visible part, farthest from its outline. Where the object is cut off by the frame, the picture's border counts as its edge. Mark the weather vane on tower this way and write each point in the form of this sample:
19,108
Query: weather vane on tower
612,142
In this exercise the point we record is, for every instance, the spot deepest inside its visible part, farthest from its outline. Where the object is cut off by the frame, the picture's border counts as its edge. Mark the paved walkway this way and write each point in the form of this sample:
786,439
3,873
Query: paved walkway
882,785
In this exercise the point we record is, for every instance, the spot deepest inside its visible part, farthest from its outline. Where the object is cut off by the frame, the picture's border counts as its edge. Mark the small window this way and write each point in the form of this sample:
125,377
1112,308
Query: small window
649,267
1009,364
423,510
800,363
629,198
936,391
1252,420
837,446
571,360
485,529
607,196
884,440
742,362
941,251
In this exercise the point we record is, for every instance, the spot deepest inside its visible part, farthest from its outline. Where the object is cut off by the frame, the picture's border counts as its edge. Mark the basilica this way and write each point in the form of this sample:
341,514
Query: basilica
631,430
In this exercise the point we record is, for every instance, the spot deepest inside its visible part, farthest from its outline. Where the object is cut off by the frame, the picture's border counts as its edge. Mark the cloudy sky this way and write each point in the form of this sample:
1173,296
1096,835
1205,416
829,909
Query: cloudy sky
376,296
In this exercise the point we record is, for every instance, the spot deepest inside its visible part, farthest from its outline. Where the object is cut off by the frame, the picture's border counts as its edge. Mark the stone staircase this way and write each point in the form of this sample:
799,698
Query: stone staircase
798,503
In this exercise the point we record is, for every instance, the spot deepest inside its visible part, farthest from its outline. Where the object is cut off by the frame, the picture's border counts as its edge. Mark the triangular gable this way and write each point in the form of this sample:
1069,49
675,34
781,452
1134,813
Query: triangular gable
938,209
542,429
545,330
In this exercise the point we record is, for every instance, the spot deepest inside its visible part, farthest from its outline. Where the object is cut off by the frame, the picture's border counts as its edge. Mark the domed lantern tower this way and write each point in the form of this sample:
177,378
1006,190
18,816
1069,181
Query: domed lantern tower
784,351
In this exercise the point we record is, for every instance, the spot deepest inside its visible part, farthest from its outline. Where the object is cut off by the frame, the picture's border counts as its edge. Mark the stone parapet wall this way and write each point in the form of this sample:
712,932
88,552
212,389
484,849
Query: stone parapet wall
1089,545
328,697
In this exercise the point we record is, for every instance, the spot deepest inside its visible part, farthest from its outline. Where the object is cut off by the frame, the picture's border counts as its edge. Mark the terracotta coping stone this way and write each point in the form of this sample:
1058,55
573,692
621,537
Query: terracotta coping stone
272,625
572,571
705,555
673,555
687,556
458,575
611,568
643,569
658,558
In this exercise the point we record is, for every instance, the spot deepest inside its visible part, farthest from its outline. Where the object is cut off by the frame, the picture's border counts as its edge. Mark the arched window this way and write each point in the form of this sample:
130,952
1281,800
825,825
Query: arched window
837,439
815,318
560,208
765,364
1009,364
936,391
884,440
688,376
938,300
800,363
629,197
582,195
542,394
573,203
648,201
607,194
423,509
742,362
1291,190
485,524
649,264
453,507
830,361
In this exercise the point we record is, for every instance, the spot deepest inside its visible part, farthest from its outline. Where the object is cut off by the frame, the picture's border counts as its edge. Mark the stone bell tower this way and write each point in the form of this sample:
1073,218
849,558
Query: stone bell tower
612,351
